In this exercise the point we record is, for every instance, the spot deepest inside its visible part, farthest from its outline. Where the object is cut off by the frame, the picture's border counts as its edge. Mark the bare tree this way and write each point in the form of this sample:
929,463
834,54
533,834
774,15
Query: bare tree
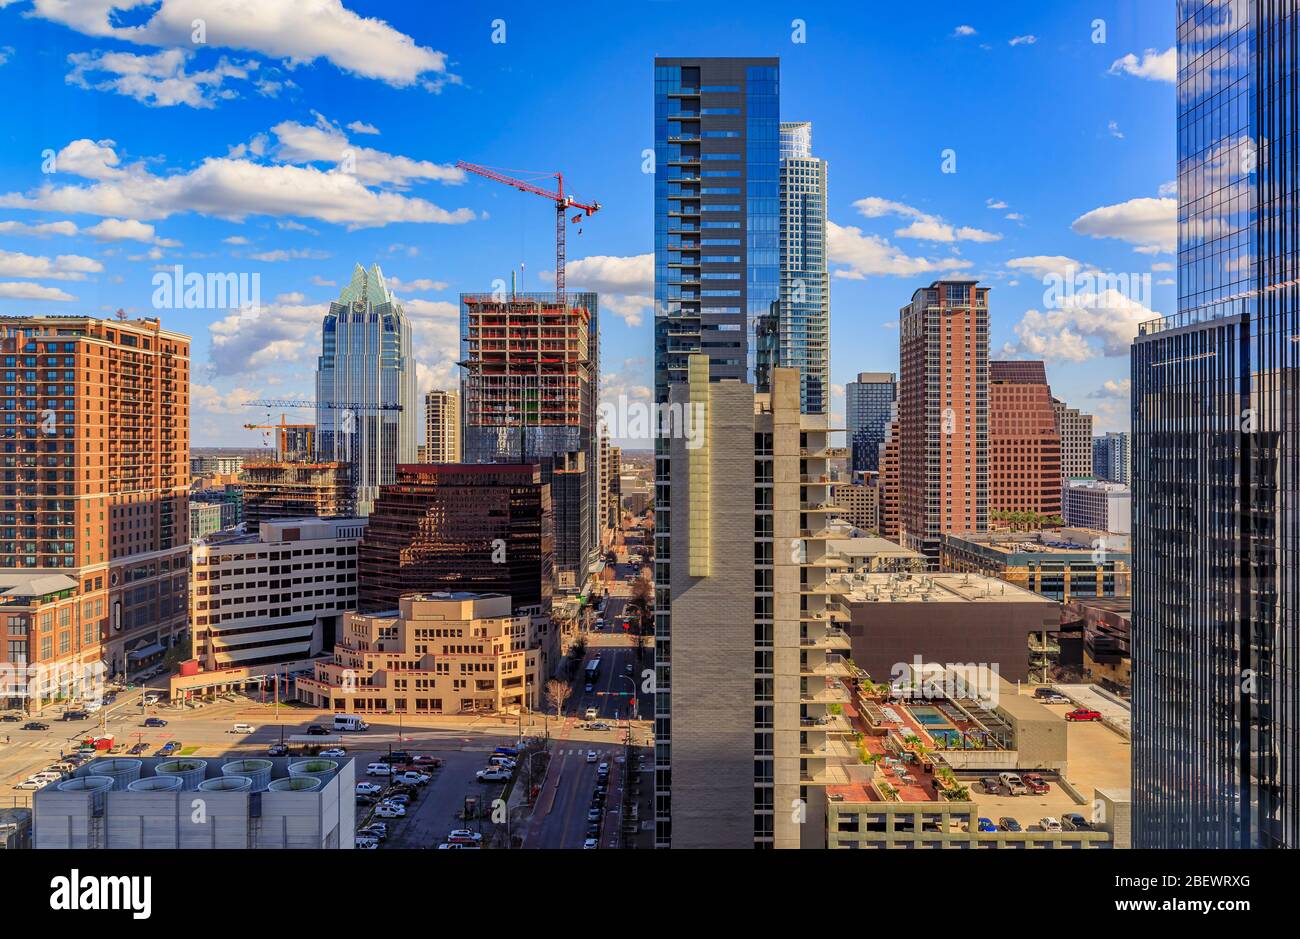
558,692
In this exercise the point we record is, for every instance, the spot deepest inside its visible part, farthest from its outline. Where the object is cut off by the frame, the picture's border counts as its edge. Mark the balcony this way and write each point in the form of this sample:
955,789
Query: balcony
834,666
831,693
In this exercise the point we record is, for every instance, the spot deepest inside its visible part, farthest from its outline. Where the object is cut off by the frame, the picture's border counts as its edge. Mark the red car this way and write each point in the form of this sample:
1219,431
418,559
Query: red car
1035,784
1083,714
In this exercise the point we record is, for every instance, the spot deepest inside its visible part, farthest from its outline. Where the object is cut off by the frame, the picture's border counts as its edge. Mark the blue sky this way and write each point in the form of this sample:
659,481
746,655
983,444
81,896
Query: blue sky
302,136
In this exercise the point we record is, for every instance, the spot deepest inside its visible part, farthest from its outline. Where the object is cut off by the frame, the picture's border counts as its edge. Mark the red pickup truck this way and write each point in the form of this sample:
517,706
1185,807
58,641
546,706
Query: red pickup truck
1035,783
1083,714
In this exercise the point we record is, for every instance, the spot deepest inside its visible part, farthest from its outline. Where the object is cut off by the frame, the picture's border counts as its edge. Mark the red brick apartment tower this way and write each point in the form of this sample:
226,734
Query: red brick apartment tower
889,482
1024,445
94,490
943,414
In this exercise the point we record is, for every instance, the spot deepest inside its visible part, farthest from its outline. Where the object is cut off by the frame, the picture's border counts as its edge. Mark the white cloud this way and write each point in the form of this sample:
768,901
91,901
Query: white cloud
326,143
272,337
322,282
291,254
122,229
14,290
361,127
1154,66
995,203
297,31
1022,40
1150,224
63,267
871,255
40,230
625,284
1113,389
5,51
1089,325
237,240
158,80
964,30
1114,130
1168,189
420,284
924,227
292,297
1042,266
223,188
208,398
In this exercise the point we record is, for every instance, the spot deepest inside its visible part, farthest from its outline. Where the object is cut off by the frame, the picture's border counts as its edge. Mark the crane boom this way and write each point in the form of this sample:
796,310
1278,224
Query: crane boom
562,202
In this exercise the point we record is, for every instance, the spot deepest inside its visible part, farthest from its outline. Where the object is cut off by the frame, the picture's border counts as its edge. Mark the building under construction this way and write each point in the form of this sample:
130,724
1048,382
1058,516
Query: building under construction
285,489
529,379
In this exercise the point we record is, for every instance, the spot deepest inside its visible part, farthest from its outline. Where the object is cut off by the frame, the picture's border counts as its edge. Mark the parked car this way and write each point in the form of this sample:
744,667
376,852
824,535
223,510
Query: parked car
367,800
593,815
494,774
397,756
138,749
410,776
333,752
1073,821
593,830
398,798
10,718
243,729
1035,783
590,712
1013,784
76,715
36,725
154,722
150,699
590,844
277,749
507,751
366,842
390,810
991,785
587,688
503,761
602,769
1049,823
369,789
316,730
1045,692
986,824
379,769
373,831
424,759
1083,714
464,836
1007,823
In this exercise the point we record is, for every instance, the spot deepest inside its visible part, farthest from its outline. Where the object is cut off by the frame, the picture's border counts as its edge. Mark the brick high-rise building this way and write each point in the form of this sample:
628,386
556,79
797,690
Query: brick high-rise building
486,528
441,427
94,490
943,413
1024,446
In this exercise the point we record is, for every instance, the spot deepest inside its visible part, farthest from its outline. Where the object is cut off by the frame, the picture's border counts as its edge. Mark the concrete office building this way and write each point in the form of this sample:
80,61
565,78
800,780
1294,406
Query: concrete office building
868,409
611,489
1103,506
248,804
215,465
530,380
745,744
858,505
438,653
205,518
441,427
1024,446
1112,458
115,518
1075,430
943,413
365,385
485,528
1062,564
268,603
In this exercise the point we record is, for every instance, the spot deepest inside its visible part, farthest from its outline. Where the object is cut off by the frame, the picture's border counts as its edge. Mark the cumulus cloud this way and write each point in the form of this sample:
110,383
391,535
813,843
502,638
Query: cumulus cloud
158,80
326,143
1022,40
15,290
63,267
1042,266
964,30
297,31
871,255
270,337
361,127
924,226
41,230
222,187
1149,224
1086,326
1153,65
208,398
1113,389
420,284
625,284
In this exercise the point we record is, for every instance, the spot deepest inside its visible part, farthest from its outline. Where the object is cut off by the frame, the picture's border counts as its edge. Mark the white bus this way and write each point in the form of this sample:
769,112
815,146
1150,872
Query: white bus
349,722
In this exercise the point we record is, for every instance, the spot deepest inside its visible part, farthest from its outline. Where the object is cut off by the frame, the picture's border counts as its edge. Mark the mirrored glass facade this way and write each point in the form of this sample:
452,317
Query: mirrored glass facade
1214,460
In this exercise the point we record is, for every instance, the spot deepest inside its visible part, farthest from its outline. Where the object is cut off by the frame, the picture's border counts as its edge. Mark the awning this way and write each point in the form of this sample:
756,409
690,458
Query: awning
146,651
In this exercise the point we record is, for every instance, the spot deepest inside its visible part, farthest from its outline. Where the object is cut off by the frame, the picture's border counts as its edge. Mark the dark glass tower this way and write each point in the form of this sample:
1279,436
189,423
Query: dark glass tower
868,404
1215,461
717,213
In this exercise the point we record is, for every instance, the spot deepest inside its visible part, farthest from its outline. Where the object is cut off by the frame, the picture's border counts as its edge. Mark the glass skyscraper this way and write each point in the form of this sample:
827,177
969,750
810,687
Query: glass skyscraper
868,406
803,324
366,407
1215,458
717,212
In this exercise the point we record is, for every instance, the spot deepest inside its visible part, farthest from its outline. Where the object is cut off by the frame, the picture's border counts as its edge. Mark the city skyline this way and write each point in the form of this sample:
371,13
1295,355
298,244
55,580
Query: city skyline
895,218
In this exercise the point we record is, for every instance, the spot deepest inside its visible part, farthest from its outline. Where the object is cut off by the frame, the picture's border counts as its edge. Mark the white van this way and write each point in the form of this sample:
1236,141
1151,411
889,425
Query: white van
243,729
349,722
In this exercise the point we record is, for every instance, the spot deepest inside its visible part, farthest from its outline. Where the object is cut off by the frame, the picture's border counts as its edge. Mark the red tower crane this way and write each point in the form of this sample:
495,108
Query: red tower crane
562,204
